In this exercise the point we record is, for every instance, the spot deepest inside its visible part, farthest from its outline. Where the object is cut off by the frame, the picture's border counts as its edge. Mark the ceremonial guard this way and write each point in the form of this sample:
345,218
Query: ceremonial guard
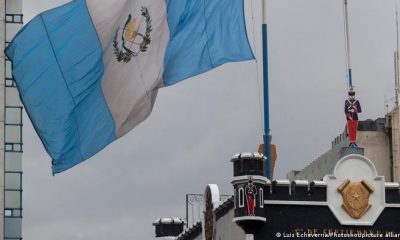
251,192
351,108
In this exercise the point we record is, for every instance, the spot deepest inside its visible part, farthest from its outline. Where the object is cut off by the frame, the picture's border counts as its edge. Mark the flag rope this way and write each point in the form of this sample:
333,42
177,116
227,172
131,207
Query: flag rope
257,68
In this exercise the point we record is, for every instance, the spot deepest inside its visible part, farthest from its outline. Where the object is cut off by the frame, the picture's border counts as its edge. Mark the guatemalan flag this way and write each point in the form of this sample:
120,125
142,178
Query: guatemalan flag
89,71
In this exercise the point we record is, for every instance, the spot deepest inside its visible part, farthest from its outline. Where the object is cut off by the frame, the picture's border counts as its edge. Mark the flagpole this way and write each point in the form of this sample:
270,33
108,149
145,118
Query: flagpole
267,142
396,61
346,19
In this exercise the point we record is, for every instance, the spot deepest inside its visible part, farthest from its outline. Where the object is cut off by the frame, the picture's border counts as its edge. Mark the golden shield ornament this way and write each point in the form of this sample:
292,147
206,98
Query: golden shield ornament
356,197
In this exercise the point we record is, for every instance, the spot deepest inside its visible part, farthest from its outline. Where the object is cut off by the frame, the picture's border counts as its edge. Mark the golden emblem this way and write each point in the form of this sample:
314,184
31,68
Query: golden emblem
131,31
128,42
356,197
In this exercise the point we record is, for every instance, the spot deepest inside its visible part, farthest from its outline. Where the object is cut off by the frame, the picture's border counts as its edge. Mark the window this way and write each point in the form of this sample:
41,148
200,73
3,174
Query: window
13,181
14,18
241,197
8,212
12,199
12,213
261,193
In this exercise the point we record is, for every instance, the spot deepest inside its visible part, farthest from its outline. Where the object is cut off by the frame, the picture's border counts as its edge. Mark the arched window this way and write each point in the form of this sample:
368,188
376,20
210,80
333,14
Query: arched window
241,197
261,194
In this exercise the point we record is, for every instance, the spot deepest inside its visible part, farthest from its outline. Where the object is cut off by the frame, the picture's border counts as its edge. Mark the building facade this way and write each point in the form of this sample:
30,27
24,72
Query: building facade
353,202
379,142
11,127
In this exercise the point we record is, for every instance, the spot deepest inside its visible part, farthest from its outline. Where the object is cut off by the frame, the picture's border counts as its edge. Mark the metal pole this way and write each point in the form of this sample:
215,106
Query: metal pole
396,78
187,210
397,60
346,13
397,108
266,90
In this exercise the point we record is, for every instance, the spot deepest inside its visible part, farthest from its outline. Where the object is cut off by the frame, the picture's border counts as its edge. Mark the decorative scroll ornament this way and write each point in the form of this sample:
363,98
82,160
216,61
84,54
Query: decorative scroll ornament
356,197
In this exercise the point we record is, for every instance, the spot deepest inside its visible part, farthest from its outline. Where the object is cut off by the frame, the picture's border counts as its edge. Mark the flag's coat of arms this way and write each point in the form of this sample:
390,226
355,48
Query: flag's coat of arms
129,35
356,197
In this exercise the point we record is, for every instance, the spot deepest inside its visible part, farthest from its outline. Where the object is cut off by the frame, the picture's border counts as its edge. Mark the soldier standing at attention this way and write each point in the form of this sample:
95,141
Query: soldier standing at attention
251,193
351,108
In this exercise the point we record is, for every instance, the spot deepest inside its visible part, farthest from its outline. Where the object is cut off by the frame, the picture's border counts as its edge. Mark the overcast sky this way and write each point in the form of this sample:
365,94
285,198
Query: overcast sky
197,125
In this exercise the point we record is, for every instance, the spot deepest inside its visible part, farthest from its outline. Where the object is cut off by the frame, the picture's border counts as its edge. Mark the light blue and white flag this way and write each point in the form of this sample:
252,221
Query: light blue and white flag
89,71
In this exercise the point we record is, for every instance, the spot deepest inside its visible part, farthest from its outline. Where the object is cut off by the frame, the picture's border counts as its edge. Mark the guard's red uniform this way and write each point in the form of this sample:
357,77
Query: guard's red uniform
251,193
352,107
